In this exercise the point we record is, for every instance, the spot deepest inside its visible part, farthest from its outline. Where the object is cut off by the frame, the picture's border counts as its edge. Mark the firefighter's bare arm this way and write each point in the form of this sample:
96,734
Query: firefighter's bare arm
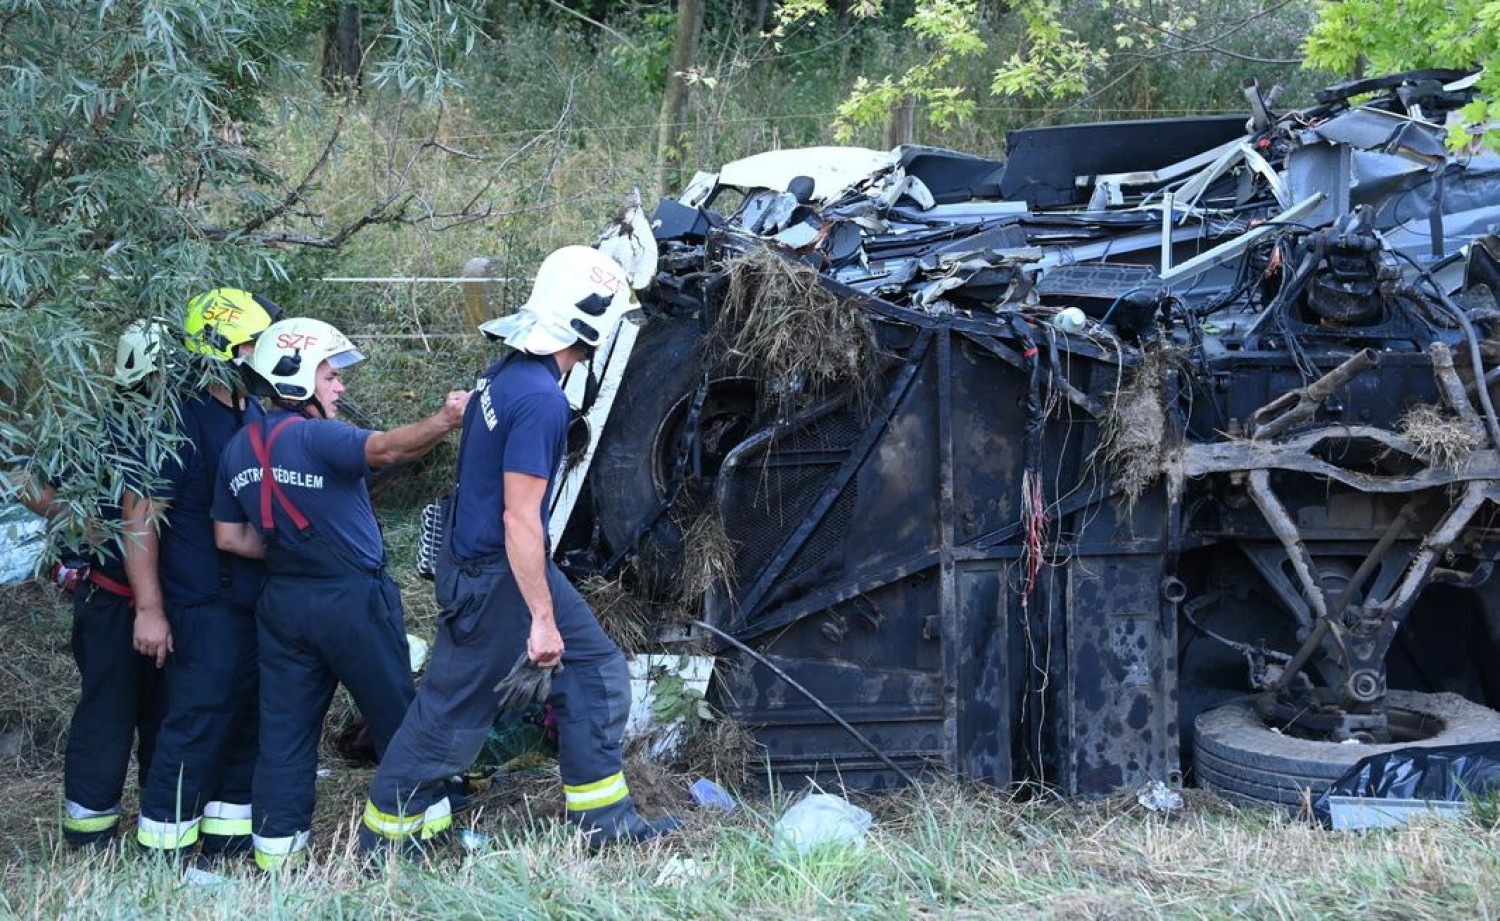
526,549
239,538
36,496
409,442
153,635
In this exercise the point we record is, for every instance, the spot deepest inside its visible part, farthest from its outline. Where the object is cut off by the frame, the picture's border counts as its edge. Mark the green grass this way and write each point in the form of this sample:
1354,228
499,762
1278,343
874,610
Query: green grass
950,850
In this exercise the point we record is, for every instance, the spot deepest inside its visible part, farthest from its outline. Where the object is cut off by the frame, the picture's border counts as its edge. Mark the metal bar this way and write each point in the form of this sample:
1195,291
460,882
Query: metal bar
1286,531
1315,639
821,601
1294,454
1434,545
1075,504
947,579
1303,656
1308,398
1268,564
1239,245
1452,388
857,456
1166,232
1400,523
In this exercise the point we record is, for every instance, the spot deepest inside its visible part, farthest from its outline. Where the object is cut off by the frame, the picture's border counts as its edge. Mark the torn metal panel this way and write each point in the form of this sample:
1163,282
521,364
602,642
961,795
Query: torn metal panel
1150,417
1325,168
832,169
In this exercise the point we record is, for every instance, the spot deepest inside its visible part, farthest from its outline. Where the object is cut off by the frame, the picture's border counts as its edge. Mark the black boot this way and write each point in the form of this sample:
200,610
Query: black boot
619,823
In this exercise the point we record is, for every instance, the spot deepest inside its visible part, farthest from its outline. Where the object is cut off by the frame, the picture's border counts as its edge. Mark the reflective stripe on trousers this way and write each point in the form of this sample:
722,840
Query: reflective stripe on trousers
480,635
425,825
271,853
84,820
226,819
322,623
166,836
596,795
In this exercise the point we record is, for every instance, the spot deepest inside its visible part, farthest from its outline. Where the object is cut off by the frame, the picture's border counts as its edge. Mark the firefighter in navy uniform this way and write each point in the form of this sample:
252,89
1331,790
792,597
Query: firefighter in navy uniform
198,788
120,701
292,489
501,594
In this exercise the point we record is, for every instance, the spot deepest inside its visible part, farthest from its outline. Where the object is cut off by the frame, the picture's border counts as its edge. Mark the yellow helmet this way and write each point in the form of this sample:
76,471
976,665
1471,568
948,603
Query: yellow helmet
219,321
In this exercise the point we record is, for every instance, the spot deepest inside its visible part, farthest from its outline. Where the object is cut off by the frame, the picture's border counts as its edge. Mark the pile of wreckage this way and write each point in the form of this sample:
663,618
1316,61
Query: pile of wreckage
1158,447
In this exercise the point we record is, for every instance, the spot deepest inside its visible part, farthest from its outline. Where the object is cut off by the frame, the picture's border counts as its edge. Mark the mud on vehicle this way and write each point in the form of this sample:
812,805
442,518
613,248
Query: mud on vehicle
1160,446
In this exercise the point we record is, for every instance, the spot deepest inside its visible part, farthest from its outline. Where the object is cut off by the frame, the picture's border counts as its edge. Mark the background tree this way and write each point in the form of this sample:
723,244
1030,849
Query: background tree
343,48
671,128
1061,53
132,177
1388,35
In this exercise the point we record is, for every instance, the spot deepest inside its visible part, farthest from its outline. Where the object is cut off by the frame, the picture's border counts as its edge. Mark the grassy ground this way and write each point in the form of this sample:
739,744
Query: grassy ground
951,850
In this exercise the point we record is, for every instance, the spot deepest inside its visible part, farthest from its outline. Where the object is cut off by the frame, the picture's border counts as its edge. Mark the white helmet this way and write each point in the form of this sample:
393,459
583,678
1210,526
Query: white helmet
579,295
139,351
287,355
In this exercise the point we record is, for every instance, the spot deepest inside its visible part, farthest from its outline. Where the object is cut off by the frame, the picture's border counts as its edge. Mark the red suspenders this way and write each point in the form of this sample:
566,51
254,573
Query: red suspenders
262,445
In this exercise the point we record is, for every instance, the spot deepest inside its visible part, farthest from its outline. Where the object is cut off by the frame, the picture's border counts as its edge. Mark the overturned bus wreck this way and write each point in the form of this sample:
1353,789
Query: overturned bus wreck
1159,451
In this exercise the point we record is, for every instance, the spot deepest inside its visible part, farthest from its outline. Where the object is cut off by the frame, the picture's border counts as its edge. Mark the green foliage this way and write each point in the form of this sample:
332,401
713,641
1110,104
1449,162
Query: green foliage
650,52
944,30
1387,35
1054,62
672,698
132,176
1053,52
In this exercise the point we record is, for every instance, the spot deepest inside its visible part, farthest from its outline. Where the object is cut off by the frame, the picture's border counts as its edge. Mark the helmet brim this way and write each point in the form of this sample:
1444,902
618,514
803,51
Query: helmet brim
340,360
533,338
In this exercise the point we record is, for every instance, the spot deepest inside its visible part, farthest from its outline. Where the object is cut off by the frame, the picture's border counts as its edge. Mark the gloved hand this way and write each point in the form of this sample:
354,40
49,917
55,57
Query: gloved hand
526,684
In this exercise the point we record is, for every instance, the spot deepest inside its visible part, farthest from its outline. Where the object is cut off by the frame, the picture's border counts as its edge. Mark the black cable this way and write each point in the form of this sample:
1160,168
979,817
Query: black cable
1492,425
792,683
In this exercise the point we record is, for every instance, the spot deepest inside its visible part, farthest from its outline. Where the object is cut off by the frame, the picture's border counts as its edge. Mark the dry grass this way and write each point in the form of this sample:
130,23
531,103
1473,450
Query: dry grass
37,676
950,850
708,555
1133,442
1441,439
782,326
626,616
723,750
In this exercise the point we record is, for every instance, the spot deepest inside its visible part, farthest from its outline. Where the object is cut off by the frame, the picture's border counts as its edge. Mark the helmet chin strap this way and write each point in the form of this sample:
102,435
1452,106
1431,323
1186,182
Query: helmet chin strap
302,407
590,384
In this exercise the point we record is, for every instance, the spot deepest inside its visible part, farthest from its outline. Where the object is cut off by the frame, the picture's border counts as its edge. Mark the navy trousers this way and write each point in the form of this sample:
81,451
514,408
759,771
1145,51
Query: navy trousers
321,622
120,708
482,631
199,782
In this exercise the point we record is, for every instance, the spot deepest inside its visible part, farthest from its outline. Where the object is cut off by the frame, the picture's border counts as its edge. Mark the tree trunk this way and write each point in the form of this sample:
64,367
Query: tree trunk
343,50
758,17
902,128
672,127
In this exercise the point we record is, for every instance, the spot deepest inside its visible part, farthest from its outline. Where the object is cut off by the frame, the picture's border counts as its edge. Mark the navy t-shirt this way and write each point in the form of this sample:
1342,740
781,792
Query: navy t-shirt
320,466
191,568
516,423
104,555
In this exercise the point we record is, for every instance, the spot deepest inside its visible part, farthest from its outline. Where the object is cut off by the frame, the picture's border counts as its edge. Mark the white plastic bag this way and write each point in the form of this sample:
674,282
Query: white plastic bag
822,818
